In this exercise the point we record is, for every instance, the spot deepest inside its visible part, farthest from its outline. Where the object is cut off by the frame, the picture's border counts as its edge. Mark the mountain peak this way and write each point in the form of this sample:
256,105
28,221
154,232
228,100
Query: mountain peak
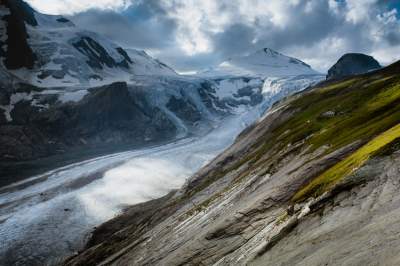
269,52
265,62
87,58
352,64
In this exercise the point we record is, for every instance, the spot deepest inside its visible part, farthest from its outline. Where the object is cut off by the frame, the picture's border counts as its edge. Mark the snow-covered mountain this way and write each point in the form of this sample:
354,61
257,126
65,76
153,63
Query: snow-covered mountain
63,88
67,94
262,63
65,55
272,74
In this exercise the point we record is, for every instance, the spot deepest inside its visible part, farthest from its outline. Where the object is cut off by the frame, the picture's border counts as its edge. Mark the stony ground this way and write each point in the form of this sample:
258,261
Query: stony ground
297,188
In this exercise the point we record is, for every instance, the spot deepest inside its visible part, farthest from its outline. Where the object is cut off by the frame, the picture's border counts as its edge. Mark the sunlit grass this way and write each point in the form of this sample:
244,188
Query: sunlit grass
347,166
363,107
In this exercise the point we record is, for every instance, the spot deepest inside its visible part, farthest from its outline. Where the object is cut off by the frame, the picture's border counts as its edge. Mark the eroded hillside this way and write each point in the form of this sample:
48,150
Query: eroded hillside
314,182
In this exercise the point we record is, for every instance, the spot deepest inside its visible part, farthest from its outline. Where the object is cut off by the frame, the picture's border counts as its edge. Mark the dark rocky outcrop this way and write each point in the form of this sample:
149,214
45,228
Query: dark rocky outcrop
21,10
98,56
19,53
352,64
64,20
124,54
184,109
108,117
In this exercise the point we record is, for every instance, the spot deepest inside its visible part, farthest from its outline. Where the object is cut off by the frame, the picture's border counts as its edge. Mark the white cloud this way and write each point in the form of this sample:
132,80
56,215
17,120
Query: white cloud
334,6
358,10
328,51
386,55
195,19
207,31
68,7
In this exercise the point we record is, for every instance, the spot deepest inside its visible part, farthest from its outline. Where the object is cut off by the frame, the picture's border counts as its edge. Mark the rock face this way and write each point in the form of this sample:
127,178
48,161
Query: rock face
352,64
35,123
108,118
352,219
18,53
108,114
283,193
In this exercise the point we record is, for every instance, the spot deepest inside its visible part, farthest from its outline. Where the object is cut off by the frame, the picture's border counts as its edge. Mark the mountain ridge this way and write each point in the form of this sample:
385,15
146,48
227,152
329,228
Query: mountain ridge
263,63
244,207
58,53
316,167
72,65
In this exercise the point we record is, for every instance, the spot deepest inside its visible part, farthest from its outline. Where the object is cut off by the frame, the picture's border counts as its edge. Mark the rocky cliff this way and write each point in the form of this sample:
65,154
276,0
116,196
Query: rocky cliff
314,182
18,52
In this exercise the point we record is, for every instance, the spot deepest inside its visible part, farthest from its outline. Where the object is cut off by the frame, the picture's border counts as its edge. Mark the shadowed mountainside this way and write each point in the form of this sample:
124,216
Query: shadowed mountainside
352,64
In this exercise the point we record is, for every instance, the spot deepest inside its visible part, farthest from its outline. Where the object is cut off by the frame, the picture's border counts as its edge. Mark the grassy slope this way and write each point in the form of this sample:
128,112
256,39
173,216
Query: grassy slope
364,106
367,112
367,109
348,165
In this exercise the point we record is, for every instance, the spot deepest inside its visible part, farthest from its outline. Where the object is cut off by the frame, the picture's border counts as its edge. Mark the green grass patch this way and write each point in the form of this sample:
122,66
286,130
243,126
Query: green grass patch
363,108
347,166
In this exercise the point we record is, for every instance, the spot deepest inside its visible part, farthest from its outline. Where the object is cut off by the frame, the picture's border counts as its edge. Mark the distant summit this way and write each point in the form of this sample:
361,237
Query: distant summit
262,63
352,64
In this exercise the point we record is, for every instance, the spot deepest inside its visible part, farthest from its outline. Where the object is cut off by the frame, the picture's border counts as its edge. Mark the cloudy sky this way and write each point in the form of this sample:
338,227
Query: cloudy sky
196,34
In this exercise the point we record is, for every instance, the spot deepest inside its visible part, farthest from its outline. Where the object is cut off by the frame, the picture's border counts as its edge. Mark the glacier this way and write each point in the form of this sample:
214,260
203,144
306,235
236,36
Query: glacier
48,217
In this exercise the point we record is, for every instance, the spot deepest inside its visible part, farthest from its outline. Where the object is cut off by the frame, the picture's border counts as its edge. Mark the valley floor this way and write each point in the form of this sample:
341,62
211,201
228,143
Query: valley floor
21,172
50,216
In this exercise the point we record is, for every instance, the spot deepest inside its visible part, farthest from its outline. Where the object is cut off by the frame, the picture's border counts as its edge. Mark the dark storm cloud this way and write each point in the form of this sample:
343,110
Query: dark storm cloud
235,39
318,31
305,27
143,25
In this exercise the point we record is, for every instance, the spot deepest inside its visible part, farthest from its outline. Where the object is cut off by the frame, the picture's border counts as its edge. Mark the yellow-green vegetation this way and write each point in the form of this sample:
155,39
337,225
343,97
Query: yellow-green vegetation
331,115
348,165
362,109
282,218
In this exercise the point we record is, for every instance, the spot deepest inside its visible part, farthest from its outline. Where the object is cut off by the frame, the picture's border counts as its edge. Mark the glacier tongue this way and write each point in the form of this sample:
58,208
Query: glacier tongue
59,208
47,217
58,214
276,88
